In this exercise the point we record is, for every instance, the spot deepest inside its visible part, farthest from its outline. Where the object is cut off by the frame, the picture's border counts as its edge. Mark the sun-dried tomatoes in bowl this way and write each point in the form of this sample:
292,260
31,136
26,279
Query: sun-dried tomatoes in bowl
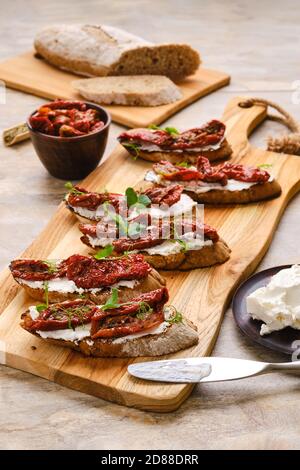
69,137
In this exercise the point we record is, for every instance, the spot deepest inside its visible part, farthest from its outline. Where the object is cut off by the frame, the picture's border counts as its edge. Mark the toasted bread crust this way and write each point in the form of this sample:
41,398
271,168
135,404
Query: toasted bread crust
222,153
103,50
257,192
209,255
153,281
176,337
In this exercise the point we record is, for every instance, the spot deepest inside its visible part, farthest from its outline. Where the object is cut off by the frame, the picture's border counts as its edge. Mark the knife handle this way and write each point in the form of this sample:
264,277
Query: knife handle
285,366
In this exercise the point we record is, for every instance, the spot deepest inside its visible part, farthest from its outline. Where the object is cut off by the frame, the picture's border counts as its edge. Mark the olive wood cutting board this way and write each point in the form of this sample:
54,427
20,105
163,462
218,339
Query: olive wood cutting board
24,73
202,295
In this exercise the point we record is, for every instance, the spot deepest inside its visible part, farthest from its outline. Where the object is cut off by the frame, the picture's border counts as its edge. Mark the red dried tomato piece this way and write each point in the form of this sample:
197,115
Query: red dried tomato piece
63,315
176,173
32,270
92,200
89,273
123,320
164,195
245,173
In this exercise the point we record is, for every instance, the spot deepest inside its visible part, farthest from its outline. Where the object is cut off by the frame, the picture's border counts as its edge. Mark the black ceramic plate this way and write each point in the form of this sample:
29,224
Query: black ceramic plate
281,341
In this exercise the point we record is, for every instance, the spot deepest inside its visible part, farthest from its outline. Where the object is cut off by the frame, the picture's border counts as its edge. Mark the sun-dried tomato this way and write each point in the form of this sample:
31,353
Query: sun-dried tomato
123,321
66,119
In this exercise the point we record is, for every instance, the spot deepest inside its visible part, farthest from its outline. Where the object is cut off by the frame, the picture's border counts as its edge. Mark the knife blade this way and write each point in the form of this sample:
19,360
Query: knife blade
199,369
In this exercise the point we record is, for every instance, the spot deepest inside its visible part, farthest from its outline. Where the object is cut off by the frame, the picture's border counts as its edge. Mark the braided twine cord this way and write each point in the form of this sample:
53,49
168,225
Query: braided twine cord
289,143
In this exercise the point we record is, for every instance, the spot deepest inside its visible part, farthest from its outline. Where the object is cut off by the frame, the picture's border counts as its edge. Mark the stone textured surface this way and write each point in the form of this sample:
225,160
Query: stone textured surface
257,43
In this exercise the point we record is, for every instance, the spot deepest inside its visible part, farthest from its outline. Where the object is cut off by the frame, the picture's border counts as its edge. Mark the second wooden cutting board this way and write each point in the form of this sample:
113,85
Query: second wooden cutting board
24,73
202,295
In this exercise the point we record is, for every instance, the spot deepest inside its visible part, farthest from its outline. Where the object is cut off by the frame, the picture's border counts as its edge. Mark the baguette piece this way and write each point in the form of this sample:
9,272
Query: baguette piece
155,144
217,185
257,192
209,255
94,50
224,152
135,90
174,338
153,281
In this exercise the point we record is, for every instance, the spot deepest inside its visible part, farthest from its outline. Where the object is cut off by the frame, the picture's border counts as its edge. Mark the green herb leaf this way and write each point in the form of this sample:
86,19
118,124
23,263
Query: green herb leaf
41,307
144,200
131,197
144,310
104,252
176,317
112,301
134,149
52,268
135,229
171,130
69,186
184,164
46,293
265,165
117,218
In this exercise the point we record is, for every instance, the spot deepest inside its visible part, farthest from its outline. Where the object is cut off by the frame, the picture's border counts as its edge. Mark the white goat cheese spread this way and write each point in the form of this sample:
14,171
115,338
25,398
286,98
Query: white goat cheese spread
168,247
185,205
151,331
148,147
65,285
278,304
199,187
68,334
83,331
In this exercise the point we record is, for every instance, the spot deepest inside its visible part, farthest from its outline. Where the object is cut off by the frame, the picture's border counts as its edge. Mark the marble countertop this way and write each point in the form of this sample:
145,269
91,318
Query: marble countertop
259,49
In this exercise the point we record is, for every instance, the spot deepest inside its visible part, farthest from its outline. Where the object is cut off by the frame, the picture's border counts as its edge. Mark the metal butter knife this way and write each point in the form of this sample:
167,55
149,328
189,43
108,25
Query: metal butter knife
206,369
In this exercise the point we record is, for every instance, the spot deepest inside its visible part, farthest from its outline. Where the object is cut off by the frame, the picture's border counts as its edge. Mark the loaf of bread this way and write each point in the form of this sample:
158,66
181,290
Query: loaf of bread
92,50
135,90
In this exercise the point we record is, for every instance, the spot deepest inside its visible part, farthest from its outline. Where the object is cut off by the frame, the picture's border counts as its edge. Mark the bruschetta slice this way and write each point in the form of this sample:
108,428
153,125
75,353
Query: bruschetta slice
181,245
155,144
144,326
223,184
159,202
87,276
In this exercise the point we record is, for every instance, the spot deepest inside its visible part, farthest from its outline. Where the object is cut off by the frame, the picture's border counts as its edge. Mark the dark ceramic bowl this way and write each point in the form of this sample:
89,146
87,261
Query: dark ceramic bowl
71,158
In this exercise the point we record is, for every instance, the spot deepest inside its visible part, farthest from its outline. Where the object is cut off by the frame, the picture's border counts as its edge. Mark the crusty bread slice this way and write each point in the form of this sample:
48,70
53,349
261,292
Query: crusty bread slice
94,50
209,255
135,90
222,153
153,281
176,337
257,192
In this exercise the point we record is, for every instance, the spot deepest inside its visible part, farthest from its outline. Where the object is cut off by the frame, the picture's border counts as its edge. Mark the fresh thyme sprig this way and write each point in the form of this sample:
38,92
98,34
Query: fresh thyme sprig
169,130
134,149
71,188
42,307
176,317
144,310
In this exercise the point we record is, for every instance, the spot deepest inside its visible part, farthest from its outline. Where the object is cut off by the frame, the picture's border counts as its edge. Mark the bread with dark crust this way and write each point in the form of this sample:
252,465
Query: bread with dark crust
209,255
222,153
176,337
257,192
153,281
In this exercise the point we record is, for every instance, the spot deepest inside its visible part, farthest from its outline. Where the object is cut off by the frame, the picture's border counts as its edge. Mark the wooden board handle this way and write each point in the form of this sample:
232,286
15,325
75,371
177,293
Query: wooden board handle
241,121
